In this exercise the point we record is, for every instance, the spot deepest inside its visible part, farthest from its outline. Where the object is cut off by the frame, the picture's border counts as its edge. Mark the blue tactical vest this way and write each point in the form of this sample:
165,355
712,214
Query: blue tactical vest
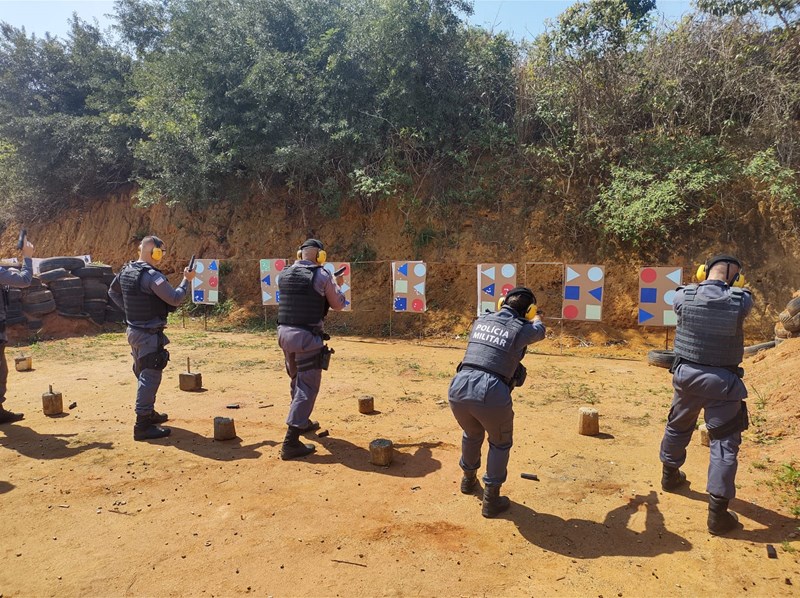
491,344
140,306
710,331
300,304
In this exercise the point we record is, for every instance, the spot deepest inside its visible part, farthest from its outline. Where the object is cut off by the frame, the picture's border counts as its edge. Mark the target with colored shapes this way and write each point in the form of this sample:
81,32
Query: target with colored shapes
657,286
346,286
268,271
408,286
584,287
205,285
494,281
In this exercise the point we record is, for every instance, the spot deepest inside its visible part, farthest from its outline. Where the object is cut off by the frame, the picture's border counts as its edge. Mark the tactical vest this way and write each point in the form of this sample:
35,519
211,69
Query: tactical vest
710,331
300,304
491,344
140,306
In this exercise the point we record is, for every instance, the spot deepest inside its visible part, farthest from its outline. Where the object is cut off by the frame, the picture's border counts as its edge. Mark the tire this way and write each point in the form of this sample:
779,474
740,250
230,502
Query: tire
95,304
92,271
37,297
661,358
35,283
35,324
753,349
70,304
62,294
15,295
108,279
71,310
94,292
793,307
790,323
40,308
72,282
73,315
68,263
17,320
52,275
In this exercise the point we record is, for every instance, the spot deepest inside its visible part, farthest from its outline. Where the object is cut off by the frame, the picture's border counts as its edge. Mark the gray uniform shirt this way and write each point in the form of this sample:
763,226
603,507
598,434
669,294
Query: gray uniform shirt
152,282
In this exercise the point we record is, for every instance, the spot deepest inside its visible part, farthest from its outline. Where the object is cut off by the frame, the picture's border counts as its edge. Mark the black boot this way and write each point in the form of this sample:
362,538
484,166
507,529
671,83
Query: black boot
158,418
493,503
147,429
292,447
469,481
7,417
672,478
311,427
720,519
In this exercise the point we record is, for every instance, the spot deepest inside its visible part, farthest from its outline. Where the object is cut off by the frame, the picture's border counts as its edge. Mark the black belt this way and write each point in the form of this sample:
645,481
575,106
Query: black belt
731,368
469,366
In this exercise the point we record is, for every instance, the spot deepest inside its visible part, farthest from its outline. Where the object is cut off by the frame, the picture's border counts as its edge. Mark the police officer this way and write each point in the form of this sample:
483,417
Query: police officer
709,346
480,392
144,293
19,280
307,291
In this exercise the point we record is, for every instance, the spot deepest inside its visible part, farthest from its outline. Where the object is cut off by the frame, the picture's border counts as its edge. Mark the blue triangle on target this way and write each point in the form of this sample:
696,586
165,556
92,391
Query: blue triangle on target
489,290
403,269
213,266
597,293
644,316
265,280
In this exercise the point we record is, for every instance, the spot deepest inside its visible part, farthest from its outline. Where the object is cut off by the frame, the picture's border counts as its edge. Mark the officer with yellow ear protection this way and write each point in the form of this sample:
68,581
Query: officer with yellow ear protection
307,292
709,346
480,392
146,296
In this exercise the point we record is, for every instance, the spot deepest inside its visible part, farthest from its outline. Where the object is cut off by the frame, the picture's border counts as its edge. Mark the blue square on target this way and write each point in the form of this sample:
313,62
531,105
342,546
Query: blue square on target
648,295
572,293
199,296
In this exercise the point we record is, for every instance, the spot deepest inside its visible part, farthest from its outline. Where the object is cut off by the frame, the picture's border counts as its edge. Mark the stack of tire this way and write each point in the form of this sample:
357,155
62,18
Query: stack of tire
789,322
78,289
14,313
36,301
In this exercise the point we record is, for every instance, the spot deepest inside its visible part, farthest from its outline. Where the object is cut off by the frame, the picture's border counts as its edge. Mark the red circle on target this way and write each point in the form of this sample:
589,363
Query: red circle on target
417,305
506,288
213,281
648,275
346,270
280,264
571,312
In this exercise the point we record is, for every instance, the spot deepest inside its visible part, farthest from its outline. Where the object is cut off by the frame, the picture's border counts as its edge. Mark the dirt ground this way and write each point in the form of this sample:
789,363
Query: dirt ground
88,511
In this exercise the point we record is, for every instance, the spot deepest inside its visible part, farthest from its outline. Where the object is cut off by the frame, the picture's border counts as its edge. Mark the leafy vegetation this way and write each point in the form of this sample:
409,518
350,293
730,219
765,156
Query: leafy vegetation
629,127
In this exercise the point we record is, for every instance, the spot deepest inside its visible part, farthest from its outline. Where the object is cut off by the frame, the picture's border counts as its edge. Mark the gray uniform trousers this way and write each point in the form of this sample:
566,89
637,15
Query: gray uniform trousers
3,371
301,347
143,343
481,404
718,393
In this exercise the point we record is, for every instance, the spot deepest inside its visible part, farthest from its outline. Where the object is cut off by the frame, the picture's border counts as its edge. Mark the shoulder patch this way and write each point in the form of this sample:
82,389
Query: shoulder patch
158,280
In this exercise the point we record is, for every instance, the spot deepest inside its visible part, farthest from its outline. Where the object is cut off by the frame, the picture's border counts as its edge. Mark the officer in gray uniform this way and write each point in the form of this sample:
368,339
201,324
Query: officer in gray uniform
19,280
144,293
307,292
709,346
480,392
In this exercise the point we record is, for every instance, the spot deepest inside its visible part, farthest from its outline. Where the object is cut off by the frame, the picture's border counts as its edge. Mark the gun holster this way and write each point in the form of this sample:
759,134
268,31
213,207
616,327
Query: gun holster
157,360
739,423
325,357
519,377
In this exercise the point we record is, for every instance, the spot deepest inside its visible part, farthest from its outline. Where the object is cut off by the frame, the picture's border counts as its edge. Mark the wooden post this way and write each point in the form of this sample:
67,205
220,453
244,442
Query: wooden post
588,422
366,404
224,428
52,403
705,440
23,363
188,381
381,451
205,317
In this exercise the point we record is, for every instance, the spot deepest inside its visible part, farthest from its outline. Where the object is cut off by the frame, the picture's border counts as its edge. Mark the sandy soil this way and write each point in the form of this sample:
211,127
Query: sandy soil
88,511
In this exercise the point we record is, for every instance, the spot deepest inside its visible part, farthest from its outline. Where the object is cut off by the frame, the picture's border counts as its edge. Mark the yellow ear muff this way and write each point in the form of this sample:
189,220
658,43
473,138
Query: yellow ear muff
299,254
702,273
739,281
529,315
322,256
157,253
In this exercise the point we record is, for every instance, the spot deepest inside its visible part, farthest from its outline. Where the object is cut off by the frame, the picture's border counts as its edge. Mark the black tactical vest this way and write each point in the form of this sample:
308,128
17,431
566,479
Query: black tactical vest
140,306
491,344
300,304
710,331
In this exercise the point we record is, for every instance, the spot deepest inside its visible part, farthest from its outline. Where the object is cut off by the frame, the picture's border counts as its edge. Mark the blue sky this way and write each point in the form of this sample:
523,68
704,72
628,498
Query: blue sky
523,19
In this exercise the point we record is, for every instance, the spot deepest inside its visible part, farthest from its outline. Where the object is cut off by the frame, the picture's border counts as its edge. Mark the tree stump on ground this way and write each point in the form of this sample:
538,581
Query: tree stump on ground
52,403
705,440
23,364
381,452
224,428
189,381
366,404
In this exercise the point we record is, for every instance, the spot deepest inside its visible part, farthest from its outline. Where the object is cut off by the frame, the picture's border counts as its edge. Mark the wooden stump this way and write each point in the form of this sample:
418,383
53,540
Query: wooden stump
381,452
52,403
366,404
705,440
23,364
588,422
224,428
189,381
